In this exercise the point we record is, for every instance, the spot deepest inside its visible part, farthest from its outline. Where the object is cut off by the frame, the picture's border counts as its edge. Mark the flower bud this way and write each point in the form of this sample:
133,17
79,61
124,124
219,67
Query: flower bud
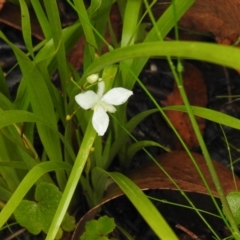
68,117
92,78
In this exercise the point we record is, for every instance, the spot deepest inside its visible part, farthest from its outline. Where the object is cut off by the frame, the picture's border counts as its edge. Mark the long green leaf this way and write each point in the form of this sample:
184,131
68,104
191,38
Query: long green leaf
209,114
164,24
42,106
124,135
144,206
4,194
3,84
43,21
218,54
56,29
13,164
26,26
9,175
135,147
88,32
18,116
130,21
73,180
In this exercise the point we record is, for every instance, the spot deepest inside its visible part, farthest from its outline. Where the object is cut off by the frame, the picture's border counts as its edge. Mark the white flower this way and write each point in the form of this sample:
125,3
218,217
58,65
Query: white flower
102,103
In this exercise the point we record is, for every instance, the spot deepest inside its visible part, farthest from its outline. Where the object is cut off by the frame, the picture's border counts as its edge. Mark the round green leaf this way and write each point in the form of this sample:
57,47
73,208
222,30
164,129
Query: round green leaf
98,229
233,199
27,216
37,216
68,223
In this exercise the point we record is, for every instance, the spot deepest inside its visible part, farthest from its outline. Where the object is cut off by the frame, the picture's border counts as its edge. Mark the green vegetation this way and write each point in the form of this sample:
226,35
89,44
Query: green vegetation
76,155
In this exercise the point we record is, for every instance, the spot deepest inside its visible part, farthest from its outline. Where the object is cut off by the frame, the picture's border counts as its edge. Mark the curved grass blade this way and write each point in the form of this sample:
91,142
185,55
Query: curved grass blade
210,114
31,178
41,18
73,180
13,164
56,30
144,206
26,27
18,116
3,85
124,135
218,54
135,147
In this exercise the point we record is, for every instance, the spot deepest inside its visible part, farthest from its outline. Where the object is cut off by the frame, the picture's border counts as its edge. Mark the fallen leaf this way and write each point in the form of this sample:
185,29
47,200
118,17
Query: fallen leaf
196,91
2,2
217,17
179,166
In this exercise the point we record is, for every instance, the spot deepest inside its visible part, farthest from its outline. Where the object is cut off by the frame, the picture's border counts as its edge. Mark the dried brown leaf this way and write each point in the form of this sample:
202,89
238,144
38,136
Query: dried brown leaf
179,166
195,88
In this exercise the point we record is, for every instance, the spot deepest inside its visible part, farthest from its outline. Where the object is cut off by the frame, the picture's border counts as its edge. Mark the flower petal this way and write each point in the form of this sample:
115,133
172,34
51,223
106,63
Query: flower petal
100,120
117,96
101,89
87,100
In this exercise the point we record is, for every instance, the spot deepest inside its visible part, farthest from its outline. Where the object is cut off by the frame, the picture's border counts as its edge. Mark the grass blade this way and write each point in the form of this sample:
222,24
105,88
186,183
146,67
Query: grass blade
144,206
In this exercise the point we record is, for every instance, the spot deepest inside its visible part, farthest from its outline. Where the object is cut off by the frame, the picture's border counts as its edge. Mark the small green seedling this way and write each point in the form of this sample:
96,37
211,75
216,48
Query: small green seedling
37,215
99,229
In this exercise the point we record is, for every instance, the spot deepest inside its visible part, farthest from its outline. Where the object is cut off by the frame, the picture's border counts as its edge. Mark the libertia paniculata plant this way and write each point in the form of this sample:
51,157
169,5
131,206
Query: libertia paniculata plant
91,110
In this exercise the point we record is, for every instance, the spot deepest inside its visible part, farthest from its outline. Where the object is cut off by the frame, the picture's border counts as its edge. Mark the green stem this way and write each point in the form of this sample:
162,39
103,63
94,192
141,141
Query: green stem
210,165
73,180
202,144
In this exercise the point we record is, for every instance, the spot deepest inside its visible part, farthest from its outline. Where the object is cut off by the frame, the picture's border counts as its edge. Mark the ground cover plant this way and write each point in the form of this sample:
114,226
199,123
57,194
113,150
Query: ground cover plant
63,143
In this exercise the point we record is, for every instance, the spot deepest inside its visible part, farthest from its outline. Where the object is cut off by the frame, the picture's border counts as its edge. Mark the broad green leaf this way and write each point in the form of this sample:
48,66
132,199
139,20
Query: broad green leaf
68,223
98,229
37,215
30,179
233,199
27,216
